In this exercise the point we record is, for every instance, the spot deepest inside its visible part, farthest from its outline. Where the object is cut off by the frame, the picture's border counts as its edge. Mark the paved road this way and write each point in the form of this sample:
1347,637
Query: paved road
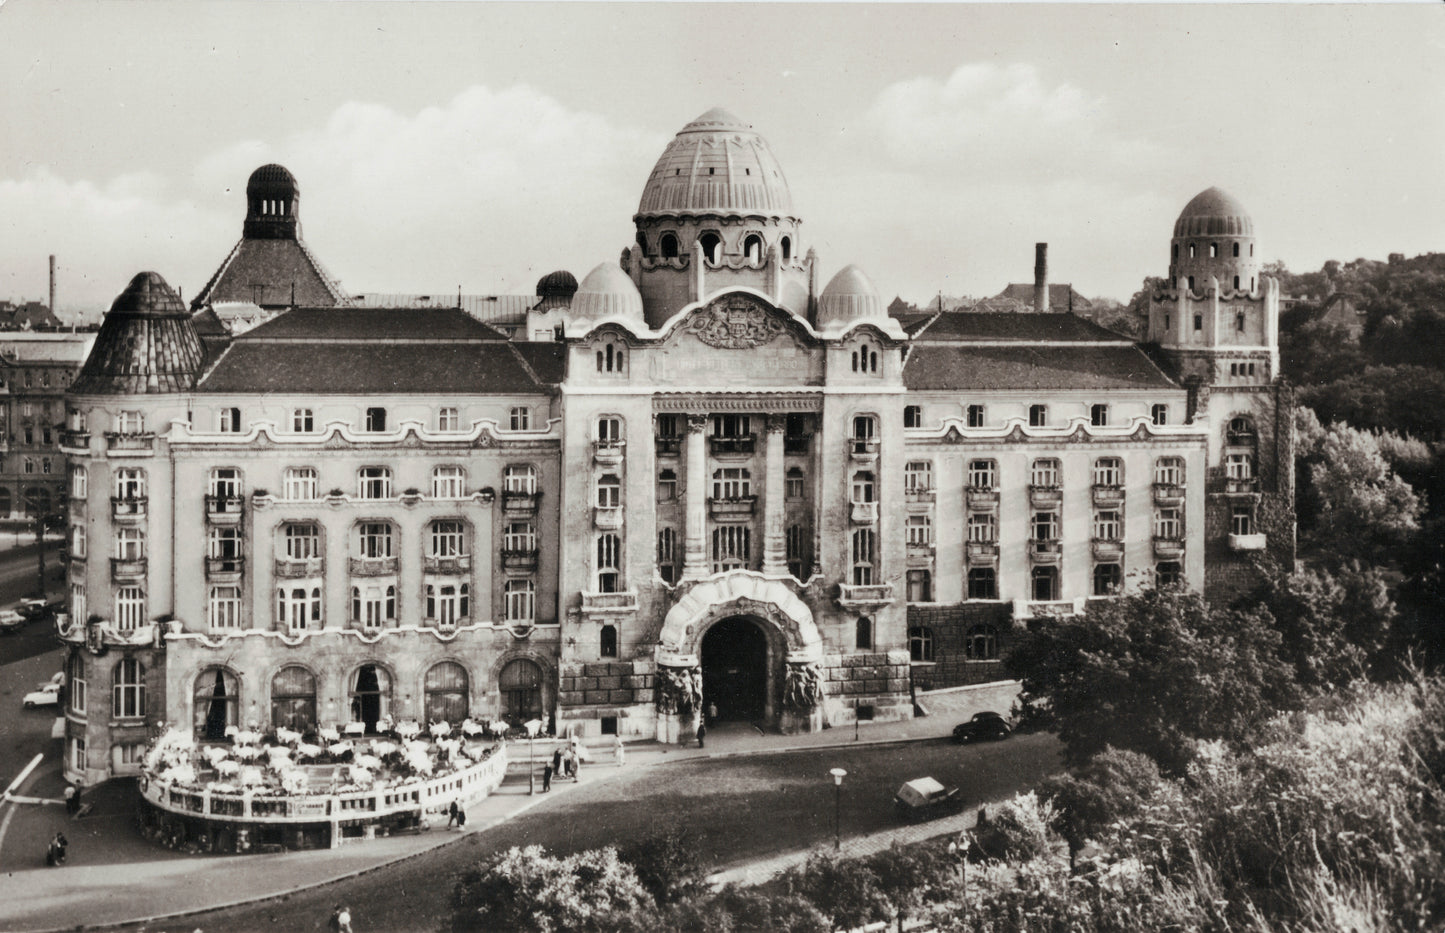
737,809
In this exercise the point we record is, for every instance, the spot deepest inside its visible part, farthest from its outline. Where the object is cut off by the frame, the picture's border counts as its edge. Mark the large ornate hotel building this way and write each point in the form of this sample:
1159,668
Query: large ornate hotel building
697,479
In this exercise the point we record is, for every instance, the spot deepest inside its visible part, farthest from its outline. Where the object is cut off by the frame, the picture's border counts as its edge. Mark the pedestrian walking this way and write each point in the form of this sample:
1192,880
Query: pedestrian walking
557,760
334,924
569,761
618,748
546,777
71,803
461,817
451,814
343,920
701,733
711,711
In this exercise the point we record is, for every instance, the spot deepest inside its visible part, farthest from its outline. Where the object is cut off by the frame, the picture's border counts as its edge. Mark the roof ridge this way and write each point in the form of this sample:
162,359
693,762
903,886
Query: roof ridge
332,285
517,355
202,296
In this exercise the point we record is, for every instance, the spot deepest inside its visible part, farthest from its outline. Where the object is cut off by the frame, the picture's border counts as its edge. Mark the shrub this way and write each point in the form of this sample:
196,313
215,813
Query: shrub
667,865
529,890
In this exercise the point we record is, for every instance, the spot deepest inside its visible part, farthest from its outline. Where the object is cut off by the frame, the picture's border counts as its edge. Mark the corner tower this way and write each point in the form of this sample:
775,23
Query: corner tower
716,213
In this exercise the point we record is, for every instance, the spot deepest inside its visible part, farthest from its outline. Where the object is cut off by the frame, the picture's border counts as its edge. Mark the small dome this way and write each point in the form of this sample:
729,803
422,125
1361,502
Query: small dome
717,164
607,291
559,284
147,344
1214,212
273,181
850,297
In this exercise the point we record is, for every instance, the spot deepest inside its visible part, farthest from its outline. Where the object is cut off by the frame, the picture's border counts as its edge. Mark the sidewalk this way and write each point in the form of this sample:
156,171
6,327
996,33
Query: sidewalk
115,877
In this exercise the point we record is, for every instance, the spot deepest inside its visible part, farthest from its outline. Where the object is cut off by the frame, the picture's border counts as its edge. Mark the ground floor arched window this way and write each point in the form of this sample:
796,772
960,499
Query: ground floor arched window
217,704
981,643
370,695
293,699
447,692
520,684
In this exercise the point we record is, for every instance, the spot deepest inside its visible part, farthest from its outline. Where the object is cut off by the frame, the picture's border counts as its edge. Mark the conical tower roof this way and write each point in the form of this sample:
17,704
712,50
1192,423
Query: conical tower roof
147,344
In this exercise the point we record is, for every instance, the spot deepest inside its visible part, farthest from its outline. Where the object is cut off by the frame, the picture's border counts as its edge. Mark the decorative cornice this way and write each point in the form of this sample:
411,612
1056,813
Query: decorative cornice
1077,431
339,435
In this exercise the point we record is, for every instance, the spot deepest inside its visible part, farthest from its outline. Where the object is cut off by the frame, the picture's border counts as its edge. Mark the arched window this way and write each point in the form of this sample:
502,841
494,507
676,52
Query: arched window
128,690
1241,430
520,684
609,564
1045,583
863,633
610,358
293,699
447,604
668,245
608,646
1176,251
786,245
981,643
216,705
795,484
298,608
447,692
920,644
865,547
753,248
373,606
130,485
370,695
1107,579
795,548
1236,249
711,247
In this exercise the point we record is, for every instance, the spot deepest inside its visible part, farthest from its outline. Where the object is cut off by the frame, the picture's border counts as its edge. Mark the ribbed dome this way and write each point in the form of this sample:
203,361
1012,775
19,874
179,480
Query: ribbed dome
607,291
273,181
147,344
559,284
849,297
717,164
1214,212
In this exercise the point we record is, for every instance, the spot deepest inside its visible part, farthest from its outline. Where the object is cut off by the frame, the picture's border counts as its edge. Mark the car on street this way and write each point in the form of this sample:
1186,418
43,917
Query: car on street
925,798
985,725
46,695
11,621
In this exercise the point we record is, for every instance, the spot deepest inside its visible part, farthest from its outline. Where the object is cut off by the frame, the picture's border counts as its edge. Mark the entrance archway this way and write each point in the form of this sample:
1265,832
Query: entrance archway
735,669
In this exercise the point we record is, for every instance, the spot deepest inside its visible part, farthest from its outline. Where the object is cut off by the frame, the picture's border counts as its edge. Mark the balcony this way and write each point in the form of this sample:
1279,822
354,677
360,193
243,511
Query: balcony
983,553
1168,494
454,564
1045,497
224,510
607,453
797,445
1168,548
1108,496
981,499
130,445
739,509
1241,486
607,518
863,449
225,569
920,553
519,503
519,558
1254,542
1109,550
609,602
126,511
920,495
1240,438
869,596
668,446
301,567
864,513
74,442
127,569
373,566
740,445
1046,552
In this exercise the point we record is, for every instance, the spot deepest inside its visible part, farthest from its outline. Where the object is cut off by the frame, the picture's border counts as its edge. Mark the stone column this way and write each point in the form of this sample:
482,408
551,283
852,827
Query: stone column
775,551
694,552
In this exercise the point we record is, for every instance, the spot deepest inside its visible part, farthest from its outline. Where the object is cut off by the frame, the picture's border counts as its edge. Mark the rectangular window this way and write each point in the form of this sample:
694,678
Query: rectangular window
521,419
77,542
448,482
667,485
1108,471
449,419
865,547
302,541
795,485
301,483
609,564
520,477
1241,520
1045,473
1198,318
918,476
983,474
1239,466
302,421
296,610
79,482
912,416
667,554
448,539
130,608
731,548
729,426
130,544
1107,525
1038,416
373,539
1159,414
975,416
223,609
1099,415
44,464
229,421
1045,526
224,543
79,760
374,483
376,419
609,492
795,550
982,527
77,602
447,604
731,483
224,483
1169,471
520,536
373,606
1168,524
920,530
920,586
609,431
521,601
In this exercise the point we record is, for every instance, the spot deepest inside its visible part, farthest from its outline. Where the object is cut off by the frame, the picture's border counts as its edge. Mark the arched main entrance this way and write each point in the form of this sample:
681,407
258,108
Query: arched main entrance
735,669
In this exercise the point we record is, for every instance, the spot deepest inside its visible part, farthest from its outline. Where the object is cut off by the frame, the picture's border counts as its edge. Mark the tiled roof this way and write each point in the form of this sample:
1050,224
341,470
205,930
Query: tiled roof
1062,296
147,343
272,273
438,324
547,360
1041,368
1023,328
492,309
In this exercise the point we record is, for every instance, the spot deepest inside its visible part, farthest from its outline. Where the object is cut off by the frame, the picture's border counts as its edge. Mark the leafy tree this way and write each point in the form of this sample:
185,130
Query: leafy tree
1152,672
667,865
1333,626
744,910
846,890
909,877
1363,505
529,890
1112,786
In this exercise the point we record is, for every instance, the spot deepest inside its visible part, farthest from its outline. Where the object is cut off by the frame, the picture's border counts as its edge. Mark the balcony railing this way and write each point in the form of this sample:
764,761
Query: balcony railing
797,444
1241,485
609,602
1108,549
607,453
1168,494
982,499
373,566
1049,551
127,569
300,567
128,510
1240,438
920,495
1107,494
519,558
1168,548
668,446
1043,497
456,563
76,442
519,503
130,445
863,448
864,513
737,509
607,518
225,569
741,444
224,510
1254,542
983,552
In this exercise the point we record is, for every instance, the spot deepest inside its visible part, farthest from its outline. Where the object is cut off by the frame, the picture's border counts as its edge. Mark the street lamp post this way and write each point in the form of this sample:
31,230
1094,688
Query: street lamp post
959,850
532,725
838,775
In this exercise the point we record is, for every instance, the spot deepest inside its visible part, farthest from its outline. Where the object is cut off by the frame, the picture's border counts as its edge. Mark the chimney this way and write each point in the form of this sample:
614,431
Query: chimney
52,283
1041,277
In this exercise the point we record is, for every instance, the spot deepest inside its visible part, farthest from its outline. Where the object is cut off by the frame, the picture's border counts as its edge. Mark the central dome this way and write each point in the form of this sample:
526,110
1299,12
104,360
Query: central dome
1214,212
717,164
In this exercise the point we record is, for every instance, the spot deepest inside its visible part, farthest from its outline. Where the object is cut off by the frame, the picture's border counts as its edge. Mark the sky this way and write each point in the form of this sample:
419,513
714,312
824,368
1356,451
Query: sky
478,146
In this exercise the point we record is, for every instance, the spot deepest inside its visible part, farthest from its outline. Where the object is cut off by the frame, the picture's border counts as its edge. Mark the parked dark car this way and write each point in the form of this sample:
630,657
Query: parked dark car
986,725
